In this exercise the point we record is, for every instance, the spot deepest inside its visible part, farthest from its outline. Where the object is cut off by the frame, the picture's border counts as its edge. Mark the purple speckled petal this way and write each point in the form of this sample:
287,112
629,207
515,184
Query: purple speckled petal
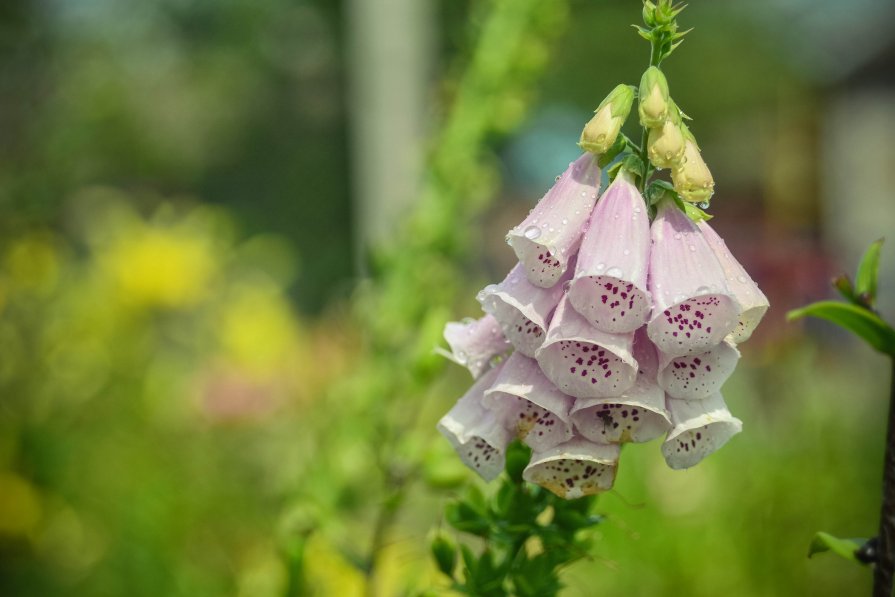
478,435
693,309
522,309
695,376
529,404
574,469
700,428
609,288
474,343
752,300
583,361
546,240
637,415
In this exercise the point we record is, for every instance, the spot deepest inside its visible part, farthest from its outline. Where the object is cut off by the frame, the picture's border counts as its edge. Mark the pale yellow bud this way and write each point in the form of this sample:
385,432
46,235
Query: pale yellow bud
601,131
666,145
654,99
692,179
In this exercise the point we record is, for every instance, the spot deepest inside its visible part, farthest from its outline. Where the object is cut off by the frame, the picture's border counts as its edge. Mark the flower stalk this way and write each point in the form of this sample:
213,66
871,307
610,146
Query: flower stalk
884,572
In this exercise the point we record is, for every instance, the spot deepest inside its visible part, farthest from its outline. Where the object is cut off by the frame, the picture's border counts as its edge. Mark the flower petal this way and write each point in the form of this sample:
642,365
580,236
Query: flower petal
546,240
583,361
700,428
752,300
609,288
529,404
574,469
474,343
521,308
637,415
693,307
696,376
478,435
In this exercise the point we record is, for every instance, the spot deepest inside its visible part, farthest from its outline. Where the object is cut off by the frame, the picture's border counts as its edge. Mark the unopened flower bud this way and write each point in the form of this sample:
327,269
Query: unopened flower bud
692,179
600,133
654,105
666,145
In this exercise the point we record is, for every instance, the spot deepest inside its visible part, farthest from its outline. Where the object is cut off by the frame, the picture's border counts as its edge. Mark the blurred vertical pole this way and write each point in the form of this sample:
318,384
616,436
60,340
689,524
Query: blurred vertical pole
390,60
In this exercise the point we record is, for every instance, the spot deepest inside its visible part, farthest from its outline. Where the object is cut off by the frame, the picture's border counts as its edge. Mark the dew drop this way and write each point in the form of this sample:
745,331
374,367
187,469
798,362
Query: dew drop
677,236
741,279
636,210
461,357
626,252
615,272
692,247
703,290
532,232
703,204
600,267
565,221
552,229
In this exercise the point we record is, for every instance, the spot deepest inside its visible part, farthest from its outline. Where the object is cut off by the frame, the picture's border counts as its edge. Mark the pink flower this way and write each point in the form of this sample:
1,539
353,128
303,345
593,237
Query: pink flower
477,434
696,376
574,469
609,288
583,361
529,404
752,300
636,415
522,309
693,309
474,343
547,239
700,428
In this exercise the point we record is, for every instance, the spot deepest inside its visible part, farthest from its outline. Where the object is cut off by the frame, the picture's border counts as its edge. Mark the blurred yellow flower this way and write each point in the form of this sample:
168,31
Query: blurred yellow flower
20,509
161,267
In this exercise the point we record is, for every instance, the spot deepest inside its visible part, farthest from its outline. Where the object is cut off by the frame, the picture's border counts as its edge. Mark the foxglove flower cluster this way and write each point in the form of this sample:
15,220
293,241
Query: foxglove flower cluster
609,330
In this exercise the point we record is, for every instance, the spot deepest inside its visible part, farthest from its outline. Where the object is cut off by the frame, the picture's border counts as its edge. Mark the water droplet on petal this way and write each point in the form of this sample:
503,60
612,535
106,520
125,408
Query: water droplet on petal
703,204
565,221
626,252
692,247
532,232
703,290
741,279
615,272
636,210
677,236
600,267
461,357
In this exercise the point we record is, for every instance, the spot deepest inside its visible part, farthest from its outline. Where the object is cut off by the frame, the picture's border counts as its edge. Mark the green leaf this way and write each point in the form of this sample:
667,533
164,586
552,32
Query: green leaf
464,517
444,552
518,456
868,273
616,148
858,320
844,548
842,284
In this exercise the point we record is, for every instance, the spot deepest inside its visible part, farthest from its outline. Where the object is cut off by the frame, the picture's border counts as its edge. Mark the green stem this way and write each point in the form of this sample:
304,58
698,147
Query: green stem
884,569
655,58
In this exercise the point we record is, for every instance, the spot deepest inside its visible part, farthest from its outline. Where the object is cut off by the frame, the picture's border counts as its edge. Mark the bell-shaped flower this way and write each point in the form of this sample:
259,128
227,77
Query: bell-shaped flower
548,238
700,428
609,288
478,435
693,309
637,415
753,302
696,376
602,130
522,309
691,177
529,405
474,343
574,469
583,361
653,104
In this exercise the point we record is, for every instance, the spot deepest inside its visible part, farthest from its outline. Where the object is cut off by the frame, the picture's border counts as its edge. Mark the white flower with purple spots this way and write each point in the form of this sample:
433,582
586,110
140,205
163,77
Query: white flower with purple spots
548,238
574,469
583,361
477,434
693,309
522,309
700,428
474,343
529,404
609,288
696,376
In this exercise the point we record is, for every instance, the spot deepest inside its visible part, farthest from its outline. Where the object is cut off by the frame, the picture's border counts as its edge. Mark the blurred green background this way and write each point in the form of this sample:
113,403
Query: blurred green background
231,231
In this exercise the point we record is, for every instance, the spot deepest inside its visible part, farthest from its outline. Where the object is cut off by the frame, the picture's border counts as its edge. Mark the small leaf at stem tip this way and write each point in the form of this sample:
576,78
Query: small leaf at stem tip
860,321
444,552
842,284
868,272
844,548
